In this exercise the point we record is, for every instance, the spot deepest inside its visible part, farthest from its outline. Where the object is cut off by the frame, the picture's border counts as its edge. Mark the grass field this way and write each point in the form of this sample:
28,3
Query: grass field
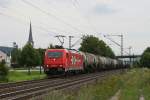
15,76
136,83
103,90
132,85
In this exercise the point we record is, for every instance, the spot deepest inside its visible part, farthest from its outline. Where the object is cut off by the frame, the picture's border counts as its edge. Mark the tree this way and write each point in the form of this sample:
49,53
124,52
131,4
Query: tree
93,45
15,57
37,58
145,59
29,57
90,44
4,71
109,52
147,49
41,55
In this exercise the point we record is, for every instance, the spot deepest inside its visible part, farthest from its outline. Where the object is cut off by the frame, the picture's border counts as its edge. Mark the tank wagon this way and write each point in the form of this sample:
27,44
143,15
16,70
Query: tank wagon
64,60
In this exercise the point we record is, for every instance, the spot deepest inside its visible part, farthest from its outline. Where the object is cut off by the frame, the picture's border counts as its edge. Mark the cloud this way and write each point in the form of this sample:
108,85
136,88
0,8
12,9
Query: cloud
89,16
103,9
4,2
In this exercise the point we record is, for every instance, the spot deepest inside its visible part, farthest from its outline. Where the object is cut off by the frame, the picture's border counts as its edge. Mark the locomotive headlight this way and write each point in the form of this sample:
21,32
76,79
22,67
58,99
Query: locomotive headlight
60,65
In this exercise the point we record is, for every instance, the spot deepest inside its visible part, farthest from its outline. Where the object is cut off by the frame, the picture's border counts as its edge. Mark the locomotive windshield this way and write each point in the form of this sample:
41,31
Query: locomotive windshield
54,54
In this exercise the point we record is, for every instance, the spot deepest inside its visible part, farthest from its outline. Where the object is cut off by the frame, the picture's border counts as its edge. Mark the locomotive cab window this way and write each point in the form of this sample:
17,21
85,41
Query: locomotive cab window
55,54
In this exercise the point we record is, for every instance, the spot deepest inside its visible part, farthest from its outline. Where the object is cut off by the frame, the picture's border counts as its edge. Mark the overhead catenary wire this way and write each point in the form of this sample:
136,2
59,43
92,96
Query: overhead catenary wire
78,41
51,15
23,15
36,9
120,45
77,5
76,8
53,10
42,28
25,23
94,27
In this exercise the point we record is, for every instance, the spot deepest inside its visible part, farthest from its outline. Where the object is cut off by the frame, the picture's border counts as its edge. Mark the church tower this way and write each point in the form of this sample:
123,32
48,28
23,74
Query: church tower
30,39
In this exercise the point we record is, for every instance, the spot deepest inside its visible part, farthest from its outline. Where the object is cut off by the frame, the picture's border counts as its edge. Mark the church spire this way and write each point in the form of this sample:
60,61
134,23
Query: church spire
30,39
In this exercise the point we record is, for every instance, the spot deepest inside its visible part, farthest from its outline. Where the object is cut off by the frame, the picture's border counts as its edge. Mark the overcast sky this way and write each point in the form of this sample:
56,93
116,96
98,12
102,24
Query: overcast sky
76,17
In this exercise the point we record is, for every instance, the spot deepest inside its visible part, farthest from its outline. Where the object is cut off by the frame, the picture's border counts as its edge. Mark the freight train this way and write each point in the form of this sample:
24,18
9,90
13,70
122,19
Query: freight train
65,60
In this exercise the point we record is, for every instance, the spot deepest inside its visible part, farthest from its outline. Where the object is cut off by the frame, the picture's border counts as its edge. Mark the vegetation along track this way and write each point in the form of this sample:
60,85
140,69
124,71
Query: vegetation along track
26,90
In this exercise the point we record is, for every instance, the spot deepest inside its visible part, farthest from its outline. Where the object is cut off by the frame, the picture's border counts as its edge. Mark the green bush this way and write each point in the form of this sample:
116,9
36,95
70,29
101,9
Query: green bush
145,59
4,70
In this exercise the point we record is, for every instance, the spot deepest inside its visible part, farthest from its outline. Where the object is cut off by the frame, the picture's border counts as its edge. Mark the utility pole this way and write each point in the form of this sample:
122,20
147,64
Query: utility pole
61,39
121,44
130,50
70,37
130,54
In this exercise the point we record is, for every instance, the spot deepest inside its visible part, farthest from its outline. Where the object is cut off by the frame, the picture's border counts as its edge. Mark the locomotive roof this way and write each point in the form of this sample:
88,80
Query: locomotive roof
67,50
57,50
83,53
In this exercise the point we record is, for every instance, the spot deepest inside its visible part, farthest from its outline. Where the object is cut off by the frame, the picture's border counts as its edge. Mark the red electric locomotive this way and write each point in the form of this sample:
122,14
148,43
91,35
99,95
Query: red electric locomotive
62,60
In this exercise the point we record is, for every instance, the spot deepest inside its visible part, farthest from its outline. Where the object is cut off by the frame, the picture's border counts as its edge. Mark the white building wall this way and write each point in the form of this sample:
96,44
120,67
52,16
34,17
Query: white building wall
4,56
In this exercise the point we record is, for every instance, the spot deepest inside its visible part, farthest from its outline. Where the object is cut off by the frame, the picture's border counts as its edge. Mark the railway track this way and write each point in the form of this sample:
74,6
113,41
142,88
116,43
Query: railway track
29,89
14,84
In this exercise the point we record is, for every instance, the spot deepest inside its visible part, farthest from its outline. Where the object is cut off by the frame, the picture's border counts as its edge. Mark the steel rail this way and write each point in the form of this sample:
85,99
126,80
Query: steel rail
35,89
